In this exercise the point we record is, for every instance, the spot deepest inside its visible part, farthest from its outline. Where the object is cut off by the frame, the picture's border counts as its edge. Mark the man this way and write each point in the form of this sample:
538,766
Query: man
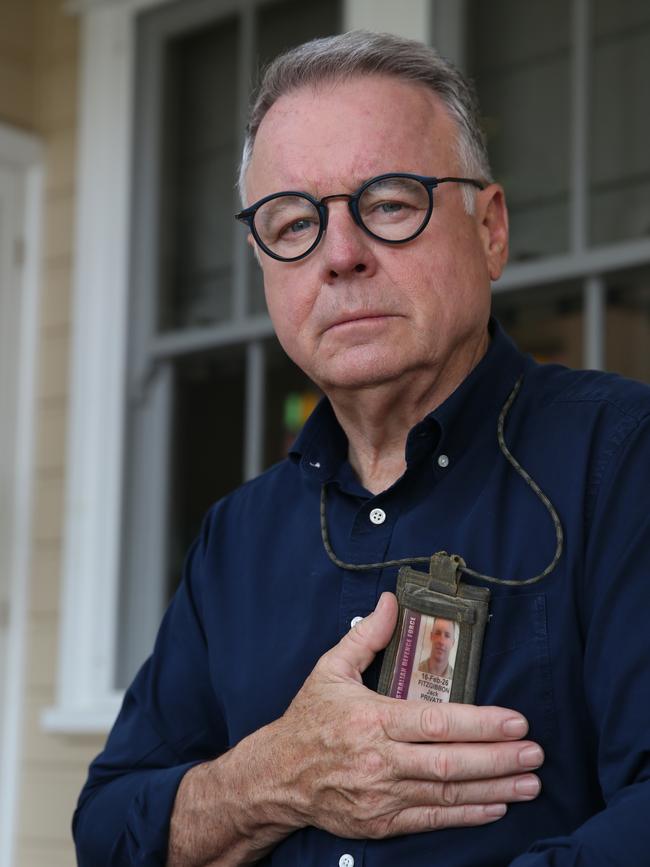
443,638
383,298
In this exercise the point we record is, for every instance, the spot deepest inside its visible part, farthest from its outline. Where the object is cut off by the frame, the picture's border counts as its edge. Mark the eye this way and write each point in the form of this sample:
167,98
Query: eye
390,207
298,226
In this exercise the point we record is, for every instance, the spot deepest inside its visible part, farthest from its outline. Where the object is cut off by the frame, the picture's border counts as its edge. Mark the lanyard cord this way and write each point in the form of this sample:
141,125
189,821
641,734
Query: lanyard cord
532,484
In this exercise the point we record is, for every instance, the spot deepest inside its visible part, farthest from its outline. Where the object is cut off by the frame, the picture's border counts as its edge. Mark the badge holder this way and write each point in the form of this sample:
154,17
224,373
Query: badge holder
435,652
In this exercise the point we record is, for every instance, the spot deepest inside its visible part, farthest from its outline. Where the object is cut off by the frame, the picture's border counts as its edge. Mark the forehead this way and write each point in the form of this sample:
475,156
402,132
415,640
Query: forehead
335,136
441,625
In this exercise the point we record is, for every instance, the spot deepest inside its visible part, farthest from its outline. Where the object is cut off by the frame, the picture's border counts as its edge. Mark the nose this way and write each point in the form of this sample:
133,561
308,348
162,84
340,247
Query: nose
346,249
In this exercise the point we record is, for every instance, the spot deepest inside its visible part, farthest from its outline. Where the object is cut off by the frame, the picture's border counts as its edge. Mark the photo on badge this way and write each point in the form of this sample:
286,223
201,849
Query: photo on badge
425,658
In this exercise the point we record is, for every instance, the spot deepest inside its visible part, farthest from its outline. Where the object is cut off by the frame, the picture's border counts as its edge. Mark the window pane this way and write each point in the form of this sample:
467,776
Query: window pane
628,324
208,438
286,23
545,322
199,167
519,57
279,26
290,398
620,121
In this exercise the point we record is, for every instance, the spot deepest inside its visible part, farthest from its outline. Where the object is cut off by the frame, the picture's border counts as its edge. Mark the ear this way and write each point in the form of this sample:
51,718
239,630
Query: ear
492,214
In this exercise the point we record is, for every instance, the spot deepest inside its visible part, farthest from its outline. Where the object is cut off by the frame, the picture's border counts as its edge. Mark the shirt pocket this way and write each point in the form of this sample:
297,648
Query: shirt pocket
515,668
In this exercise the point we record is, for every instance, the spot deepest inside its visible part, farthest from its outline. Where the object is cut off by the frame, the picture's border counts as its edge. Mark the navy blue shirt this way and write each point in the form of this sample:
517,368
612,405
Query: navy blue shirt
260,602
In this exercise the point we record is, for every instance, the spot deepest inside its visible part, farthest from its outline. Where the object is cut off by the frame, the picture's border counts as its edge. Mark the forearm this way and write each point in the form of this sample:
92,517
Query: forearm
231,811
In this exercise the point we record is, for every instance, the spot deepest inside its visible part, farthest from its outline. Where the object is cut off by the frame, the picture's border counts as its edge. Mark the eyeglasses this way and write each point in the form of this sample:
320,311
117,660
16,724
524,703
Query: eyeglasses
392,208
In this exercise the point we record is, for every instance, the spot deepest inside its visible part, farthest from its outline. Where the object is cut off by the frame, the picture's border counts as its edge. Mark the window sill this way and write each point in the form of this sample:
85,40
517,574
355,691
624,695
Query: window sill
90,719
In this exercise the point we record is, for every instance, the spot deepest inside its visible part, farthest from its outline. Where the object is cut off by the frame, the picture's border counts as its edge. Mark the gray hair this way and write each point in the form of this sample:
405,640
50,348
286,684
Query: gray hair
359,52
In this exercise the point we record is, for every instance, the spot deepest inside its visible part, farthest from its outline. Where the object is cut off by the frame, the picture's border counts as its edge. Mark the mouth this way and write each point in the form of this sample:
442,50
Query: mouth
361,319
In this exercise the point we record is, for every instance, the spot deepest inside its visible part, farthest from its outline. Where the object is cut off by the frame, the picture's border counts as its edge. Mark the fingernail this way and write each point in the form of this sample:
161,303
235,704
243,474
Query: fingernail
516,727
381,603
495,811
528,786
531,757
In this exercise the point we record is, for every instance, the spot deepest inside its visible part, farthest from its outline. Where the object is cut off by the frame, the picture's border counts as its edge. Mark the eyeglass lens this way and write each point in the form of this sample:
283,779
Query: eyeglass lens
393,209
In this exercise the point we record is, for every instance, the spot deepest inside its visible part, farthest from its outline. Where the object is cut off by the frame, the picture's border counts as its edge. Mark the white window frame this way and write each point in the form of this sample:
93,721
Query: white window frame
86,700
22,154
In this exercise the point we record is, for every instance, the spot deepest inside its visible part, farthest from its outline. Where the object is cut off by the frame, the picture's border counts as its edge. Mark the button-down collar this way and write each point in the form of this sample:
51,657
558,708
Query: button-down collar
321,448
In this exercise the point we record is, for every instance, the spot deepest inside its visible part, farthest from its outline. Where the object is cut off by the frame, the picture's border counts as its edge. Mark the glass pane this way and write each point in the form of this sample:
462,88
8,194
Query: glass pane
286,23
545,322
290,398
279,26
208,442
519,58
197,187
628,324
620,121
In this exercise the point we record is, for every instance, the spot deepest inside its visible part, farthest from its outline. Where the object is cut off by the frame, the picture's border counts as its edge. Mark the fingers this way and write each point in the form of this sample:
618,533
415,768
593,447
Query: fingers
525,787
414,820
414,721
452,762
356,650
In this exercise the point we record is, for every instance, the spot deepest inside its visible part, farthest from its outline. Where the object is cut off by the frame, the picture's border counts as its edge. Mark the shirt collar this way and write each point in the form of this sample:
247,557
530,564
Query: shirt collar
478,400
321,447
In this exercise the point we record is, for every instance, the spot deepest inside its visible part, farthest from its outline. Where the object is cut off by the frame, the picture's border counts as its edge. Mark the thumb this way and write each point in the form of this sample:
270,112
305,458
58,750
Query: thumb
356,650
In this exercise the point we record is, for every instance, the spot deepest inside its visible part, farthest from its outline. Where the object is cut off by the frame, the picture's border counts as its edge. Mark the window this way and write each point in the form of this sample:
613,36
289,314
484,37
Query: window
208,383
628,323
545,322
520,58
563,91
620,122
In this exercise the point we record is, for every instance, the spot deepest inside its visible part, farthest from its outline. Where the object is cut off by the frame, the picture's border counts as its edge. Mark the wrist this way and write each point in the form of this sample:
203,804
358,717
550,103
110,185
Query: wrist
259,775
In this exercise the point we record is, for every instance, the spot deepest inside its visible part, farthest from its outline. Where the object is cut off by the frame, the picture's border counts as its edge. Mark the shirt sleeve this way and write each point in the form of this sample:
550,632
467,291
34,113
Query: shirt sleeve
615,596
168,723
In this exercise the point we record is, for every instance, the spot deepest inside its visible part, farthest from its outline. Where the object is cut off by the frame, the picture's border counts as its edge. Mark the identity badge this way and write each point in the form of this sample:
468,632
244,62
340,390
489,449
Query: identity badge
435,652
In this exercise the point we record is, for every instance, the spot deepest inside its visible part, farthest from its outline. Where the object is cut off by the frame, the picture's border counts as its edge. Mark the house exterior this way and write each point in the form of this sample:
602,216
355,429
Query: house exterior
139,376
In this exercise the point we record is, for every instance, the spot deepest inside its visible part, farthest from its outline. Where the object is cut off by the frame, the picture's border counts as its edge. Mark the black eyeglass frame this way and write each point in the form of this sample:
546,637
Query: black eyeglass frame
247,216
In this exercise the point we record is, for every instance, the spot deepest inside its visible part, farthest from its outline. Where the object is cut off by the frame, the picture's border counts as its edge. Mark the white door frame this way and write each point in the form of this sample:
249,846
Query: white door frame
22,155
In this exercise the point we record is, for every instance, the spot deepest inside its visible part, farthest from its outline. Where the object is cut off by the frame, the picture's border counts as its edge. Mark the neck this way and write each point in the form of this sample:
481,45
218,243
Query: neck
377,419
437,669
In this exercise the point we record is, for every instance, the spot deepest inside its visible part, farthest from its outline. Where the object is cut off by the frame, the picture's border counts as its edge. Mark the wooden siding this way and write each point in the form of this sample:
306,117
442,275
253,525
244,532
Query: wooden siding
38,92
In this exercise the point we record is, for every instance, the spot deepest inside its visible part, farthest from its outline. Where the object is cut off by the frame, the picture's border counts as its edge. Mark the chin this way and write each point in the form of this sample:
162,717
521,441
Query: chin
361,368
352,377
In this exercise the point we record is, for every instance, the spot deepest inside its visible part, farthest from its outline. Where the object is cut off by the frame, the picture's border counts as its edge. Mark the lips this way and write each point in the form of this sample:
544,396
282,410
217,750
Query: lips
360,316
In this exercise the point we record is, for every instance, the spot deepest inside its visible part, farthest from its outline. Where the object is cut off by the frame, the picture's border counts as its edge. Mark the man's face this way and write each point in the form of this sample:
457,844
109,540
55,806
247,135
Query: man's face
357,312
442,640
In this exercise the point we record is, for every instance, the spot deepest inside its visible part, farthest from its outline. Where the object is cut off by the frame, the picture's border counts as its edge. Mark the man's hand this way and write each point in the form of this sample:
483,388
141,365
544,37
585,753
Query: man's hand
363,765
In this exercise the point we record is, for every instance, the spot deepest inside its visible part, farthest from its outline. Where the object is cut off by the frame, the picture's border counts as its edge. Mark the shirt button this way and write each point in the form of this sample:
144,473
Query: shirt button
443,461
355,620
377,516
346,861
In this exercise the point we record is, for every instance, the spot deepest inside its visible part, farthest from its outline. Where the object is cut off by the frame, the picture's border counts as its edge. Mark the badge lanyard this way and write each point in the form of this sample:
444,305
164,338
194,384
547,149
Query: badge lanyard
435,651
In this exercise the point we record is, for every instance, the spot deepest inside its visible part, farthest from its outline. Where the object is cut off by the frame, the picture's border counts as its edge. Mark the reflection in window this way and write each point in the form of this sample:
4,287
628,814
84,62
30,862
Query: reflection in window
546,322
208,437
628,324
620,121
199,165
520,60
290,399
